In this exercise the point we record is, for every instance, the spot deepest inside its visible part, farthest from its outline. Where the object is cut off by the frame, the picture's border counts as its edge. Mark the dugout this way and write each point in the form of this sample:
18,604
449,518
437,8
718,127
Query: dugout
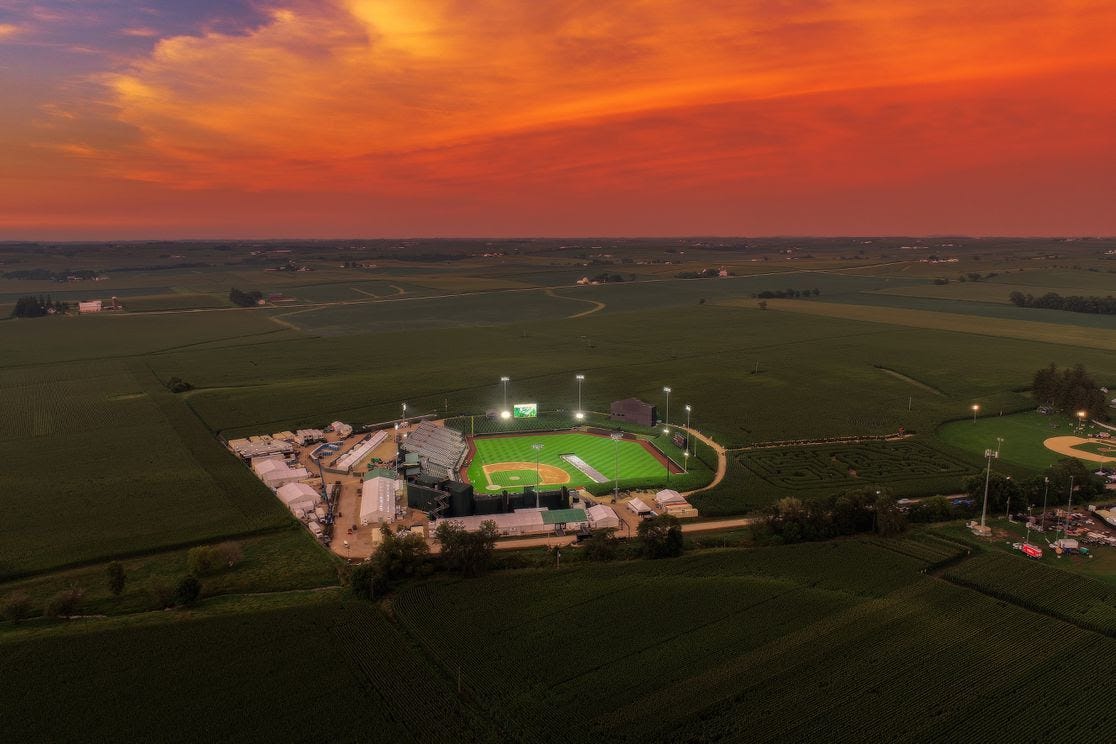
633,411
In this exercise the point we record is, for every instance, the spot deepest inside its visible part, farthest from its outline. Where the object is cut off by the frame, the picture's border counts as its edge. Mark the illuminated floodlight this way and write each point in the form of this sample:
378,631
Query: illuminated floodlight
505,414
580,415
666,430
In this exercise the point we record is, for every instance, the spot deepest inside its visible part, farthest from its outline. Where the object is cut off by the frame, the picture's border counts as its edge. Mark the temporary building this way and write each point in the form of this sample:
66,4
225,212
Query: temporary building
636,505
303,507
669,496
341,428
602,517
276,473
377,501
307,436
292,492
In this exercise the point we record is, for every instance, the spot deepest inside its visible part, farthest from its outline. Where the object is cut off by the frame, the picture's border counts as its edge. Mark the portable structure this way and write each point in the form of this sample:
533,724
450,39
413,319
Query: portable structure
342,429
377,500
637,506
602,517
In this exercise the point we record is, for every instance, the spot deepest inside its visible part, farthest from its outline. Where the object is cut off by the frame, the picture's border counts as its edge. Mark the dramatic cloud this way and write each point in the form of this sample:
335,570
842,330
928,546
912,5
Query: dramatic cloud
606,107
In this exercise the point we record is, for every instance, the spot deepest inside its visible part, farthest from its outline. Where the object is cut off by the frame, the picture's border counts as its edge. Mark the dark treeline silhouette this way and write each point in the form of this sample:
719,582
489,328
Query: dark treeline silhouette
1071,389
36,307
1073,303
244,299
768,294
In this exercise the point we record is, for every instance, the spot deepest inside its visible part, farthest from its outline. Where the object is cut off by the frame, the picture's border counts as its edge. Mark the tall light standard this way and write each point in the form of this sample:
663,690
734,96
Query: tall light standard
990,454
538,481
505,413
1081,420
616,437
666,419
688,409
579,414
1045,492
404,413
975,409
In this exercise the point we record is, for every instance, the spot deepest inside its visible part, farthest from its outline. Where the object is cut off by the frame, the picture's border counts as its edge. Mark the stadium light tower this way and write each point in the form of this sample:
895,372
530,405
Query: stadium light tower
666,418
616,437
404,411
537,446
1081,419
976,408
579,414
505,413
991,455
688,410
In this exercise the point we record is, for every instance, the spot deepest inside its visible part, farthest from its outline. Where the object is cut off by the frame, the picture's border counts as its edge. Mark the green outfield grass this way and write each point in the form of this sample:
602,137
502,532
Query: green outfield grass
634,461
1023,435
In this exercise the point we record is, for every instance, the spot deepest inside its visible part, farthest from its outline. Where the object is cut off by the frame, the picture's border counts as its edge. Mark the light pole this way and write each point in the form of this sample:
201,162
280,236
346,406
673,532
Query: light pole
990,454
688,409
579,414
404,413
616,437
1081,421
975,409
686,461
666,419
1045,492
505,413
537,447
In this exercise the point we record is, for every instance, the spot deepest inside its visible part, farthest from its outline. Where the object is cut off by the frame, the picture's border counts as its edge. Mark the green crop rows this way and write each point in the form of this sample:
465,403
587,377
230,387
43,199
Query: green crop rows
849,465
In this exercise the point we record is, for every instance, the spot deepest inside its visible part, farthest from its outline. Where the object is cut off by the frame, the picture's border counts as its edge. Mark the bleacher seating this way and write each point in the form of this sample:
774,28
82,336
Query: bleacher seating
441,451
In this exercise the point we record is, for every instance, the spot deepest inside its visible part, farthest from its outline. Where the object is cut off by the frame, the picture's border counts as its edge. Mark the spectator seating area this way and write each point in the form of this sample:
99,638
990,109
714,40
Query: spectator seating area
441,451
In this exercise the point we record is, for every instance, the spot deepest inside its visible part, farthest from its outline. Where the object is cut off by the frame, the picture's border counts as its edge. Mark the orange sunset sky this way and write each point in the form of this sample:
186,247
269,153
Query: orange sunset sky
124,119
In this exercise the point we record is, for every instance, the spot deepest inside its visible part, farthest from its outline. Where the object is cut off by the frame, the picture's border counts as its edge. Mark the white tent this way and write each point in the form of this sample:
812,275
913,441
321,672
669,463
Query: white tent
636,505
292,492
377,500
669,496
602,517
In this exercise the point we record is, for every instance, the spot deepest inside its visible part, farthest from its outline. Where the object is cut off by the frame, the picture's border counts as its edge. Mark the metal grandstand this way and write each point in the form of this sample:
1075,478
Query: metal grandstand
441,451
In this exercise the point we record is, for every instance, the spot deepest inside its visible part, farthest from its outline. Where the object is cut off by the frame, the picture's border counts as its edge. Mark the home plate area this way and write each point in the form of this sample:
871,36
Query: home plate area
502,475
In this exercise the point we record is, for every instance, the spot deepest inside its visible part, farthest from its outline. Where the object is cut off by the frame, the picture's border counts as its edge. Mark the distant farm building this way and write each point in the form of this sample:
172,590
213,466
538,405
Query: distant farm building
633,411
90,306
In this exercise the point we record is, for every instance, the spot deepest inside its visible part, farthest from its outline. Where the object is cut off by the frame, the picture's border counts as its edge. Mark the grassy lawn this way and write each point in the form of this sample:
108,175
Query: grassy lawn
598,452
1100,564
1023,435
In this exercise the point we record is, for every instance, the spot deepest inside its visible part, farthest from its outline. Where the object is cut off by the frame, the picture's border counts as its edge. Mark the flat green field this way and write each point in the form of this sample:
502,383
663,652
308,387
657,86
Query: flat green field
601,453
807,643
1023,435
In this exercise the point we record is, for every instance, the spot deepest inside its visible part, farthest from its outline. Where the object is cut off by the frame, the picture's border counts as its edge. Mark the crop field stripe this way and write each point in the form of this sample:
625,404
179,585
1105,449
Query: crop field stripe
1026,330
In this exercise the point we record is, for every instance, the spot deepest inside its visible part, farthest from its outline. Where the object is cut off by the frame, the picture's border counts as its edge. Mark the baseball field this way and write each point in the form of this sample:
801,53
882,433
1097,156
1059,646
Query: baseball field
508,462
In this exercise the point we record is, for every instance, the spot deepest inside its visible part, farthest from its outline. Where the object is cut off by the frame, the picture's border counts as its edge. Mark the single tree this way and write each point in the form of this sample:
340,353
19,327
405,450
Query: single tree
602,545
187,591
467,552
116,578
660,537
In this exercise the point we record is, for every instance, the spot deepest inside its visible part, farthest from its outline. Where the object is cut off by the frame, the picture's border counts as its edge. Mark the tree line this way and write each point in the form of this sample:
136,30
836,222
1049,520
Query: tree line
245,299
1072,303
793,520
37,307
780,294
1070,389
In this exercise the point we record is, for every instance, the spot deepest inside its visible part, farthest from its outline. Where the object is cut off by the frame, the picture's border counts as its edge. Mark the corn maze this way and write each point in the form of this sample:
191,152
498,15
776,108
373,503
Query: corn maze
847,465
